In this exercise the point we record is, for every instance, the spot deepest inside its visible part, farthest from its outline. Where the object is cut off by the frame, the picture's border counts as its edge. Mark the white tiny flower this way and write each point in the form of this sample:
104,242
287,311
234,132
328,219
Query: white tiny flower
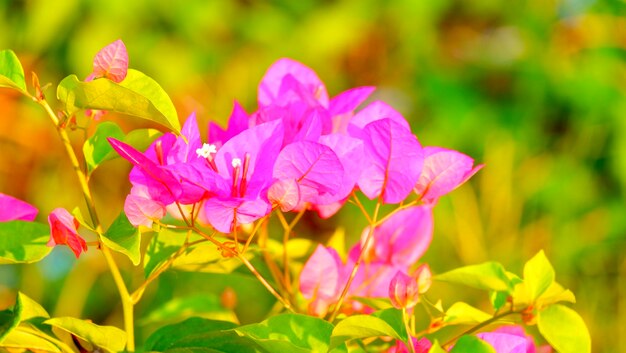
206,150
236,162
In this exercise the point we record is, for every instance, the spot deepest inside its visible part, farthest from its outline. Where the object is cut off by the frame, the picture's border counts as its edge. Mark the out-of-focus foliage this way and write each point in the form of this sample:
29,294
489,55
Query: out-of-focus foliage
534,89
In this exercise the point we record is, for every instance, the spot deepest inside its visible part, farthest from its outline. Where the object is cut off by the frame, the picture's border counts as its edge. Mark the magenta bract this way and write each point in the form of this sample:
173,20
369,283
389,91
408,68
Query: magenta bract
12,209
444,170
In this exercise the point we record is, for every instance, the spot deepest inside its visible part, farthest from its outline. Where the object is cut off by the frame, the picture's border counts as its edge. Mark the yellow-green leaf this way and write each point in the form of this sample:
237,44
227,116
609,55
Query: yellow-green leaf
109,338
564,329
11,71
138,95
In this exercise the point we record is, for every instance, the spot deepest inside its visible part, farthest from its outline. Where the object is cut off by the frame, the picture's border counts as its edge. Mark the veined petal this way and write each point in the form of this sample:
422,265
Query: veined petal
111,62
444,170
261,144
321,274
141,209
221,212
312,165
403,238
393,161
504,342
284,194
349,100
270,86
375,111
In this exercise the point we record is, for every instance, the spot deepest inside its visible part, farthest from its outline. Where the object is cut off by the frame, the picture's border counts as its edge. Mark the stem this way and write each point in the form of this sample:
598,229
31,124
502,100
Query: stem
405,319
286,234
365,246
127,305
251,267
480,325
138,293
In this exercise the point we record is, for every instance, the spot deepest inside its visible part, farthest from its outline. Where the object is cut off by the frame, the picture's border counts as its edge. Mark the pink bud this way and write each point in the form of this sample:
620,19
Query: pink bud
403,291
63,230
424,278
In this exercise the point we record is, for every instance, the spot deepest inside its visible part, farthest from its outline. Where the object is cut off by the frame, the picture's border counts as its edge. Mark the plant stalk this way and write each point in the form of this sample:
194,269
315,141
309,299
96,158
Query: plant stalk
127,304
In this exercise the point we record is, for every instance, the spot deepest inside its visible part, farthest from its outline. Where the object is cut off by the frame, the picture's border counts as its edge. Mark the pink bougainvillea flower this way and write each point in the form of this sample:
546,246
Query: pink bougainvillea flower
512,339
313,166
64,230
288,80
245,165
161,183
421,345
444,170
424,278
174,168
284,194
375,111
350,152
321,279
141,209
110,62
12,209
343,105
402,239
393,161
403,291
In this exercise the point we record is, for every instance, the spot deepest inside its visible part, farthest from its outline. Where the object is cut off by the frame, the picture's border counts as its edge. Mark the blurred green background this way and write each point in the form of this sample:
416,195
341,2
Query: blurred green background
535,89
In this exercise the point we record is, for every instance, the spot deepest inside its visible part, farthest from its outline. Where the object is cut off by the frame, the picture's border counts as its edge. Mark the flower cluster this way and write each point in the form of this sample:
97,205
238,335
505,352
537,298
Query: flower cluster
302,150
299,150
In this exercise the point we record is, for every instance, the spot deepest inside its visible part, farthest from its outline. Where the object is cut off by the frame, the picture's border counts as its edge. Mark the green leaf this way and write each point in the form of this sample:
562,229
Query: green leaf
374,303
138,95
24,337
23,242
472,344
108,338
564,329
393,317
97,149
24,309
166,336
498,299
487,276
461,313
538,275
361,326
141,139
206,305
29,308
217,341
9,319
290,333
123,237
11,71
162,245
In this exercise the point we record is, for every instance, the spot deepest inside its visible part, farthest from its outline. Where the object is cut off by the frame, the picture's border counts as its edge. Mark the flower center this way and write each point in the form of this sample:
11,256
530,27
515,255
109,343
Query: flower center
240,172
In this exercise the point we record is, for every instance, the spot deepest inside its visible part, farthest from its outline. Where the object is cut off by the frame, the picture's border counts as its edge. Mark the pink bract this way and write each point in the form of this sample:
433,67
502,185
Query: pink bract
444,170
12,209
111,62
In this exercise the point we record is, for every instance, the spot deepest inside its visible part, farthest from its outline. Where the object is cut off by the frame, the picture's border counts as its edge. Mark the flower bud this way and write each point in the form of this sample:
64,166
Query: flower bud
424,278
63,230
403,291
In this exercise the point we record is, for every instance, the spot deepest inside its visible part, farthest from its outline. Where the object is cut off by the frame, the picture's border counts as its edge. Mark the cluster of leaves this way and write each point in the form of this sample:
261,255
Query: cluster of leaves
300,151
